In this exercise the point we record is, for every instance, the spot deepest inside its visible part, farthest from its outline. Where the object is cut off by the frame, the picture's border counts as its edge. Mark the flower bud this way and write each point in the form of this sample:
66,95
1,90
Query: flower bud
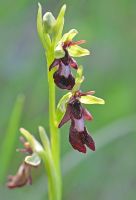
48,22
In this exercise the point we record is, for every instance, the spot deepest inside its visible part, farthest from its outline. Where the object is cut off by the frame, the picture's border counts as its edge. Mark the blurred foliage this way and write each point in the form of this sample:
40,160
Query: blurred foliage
110,30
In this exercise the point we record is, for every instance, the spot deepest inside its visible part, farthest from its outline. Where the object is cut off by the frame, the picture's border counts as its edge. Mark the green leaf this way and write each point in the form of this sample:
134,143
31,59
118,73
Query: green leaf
61,107
69,36
35,145
77,51
8,143
58,28
33,160
79,79
90,99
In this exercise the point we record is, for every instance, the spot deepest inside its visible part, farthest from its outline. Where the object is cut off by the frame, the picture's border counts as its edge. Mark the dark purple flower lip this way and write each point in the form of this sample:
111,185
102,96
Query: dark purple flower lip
23,177
63,77
80,139
78,135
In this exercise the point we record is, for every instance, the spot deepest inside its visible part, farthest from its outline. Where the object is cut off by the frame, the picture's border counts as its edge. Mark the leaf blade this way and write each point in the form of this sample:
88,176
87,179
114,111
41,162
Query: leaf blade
9,142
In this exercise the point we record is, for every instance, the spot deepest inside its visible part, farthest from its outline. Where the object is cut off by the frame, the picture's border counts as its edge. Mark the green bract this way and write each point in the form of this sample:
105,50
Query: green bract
44,36
90,99
35,145
40,23
44,138
58,28
49,25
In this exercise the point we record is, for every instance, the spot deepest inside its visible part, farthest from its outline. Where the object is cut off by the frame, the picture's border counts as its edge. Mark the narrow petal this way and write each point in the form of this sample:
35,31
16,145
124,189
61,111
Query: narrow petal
87,115
86,93
66,117
78,42
54,64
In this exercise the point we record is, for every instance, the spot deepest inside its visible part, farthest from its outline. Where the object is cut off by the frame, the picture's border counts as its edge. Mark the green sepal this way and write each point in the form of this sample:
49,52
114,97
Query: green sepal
79,79
35,145
69,36
77,51
90,99
33,160
62,105
58,28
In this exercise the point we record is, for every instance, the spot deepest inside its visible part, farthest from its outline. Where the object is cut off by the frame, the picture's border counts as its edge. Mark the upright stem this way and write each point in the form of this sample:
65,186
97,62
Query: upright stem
54,132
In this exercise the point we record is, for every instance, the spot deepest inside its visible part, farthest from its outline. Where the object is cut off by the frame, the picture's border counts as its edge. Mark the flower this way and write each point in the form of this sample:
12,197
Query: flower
78,136
22,177
64,51
63,77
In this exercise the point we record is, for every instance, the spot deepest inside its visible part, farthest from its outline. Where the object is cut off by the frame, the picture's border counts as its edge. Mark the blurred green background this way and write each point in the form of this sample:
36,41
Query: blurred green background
110,30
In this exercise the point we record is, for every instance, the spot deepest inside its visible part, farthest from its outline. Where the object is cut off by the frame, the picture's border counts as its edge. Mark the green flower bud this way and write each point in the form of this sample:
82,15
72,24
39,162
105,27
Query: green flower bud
48,22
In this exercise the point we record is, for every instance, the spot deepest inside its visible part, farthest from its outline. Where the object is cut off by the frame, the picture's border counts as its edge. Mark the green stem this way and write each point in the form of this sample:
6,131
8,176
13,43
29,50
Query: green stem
54,134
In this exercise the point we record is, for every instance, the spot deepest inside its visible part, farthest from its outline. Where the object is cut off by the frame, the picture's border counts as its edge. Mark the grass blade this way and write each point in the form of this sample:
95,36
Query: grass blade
8,145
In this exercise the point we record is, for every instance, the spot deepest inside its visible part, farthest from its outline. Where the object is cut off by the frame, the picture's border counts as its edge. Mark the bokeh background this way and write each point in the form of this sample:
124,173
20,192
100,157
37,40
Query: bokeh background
110,30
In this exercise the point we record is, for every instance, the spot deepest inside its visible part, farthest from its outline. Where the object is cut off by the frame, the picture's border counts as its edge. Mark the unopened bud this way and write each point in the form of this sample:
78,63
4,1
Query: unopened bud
49,22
